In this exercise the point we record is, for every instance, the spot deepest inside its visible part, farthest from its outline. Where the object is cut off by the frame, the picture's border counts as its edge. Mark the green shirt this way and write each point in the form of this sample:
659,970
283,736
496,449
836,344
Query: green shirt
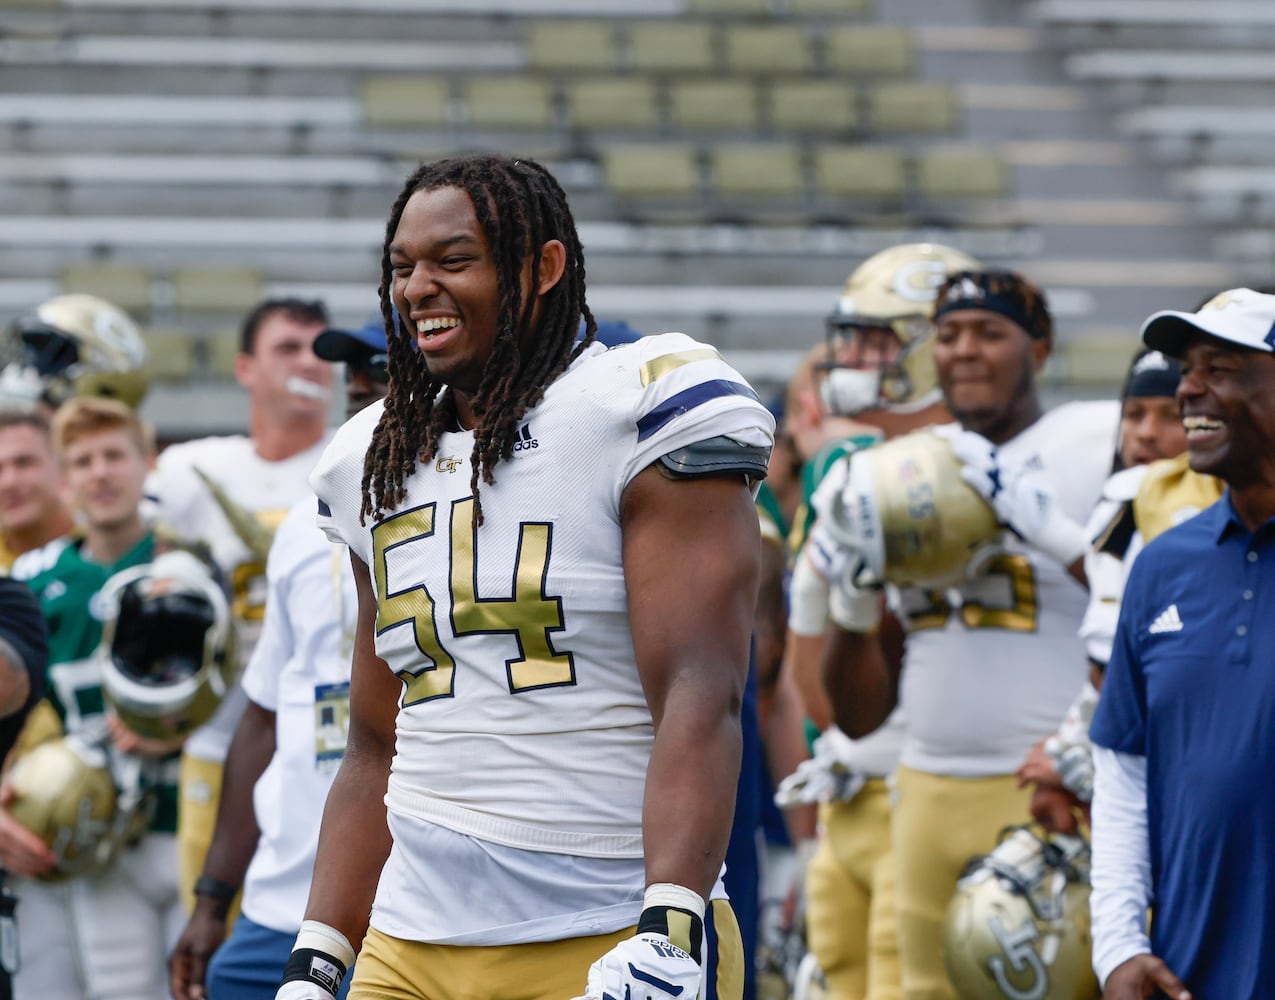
68,592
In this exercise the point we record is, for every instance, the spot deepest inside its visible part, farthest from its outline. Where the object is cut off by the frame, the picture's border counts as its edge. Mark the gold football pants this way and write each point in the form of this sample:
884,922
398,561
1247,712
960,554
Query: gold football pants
389,968
851,919
939,824
196,819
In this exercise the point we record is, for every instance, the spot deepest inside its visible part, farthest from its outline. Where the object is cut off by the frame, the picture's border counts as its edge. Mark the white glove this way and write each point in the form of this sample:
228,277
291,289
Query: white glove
825,777
645,967
1074,764
648,966
319,961
854,607
1023,501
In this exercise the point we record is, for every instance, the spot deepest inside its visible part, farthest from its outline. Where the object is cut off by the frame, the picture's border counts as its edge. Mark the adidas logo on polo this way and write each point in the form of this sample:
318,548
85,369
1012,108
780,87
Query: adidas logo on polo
1167,621
524,441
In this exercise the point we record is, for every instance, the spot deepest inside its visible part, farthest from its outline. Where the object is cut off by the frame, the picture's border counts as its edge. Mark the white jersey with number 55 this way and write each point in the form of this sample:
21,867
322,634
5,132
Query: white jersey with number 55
522,718
993,664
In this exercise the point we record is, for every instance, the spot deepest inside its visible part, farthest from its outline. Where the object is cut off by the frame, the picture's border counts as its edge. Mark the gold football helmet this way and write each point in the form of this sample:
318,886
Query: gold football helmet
65,795
167,648
905,509
72,345
892,290
1018,926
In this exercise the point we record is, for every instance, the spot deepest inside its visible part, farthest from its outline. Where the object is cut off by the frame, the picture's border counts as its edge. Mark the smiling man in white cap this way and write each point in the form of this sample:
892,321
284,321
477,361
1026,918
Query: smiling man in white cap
1182,733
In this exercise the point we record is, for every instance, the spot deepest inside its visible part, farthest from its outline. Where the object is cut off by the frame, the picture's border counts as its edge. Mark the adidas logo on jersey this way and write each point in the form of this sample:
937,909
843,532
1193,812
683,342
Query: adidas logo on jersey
1167,621
525,442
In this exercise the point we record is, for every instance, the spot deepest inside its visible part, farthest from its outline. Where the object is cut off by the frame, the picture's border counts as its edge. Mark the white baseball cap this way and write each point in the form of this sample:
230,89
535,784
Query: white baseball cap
1240,316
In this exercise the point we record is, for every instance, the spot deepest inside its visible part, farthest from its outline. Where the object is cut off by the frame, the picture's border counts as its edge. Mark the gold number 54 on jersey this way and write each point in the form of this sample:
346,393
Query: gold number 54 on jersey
529,615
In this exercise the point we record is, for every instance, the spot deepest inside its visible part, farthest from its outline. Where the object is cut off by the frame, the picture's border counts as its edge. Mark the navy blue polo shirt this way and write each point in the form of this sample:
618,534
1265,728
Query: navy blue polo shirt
1191,686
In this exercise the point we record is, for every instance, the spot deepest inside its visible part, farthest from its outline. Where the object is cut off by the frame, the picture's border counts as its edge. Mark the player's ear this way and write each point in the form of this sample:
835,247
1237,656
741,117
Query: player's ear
1042,347
553,261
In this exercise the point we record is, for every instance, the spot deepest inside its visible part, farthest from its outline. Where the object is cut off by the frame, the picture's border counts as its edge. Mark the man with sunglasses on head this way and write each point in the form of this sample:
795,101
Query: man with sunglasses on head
289,740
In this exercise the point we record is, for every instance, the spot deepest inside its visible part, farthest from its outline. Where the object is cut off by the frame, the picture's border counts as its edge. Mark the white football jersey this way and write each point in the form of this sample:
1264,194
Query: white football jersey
300,670
255,496
522,718
992,664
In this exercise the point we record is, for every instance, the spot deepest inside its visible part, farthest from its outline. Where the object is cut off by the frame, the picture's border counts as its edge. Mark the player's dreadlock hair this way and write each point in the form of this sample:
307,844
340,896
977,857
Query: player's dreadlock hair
519,206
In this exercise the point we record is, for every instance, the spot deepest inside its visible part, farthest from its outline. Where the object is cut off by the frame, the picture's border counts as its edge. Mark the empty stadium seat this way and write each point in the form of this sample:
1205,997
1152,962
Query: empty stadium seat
767,169
126,285
829,8
912,107
962,173
670,46
571,45
1097,359
615,102
766,49
509,102
732,7
170,355
720,105
221,349
824,107
869,173
871,50
656,170
403,101
216,289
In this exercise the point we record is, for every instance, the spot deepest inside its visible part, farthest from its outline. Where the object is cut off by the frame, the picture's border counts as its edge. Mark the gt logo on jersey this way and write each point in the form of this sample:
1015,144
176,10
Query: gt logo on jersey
447,464
525,441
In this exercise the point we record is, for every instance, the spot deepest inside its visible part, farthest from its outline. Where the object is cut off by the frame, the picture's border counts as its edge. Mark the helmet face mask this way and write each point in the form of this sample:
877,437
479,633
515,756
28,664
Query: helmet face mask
167,648
1018,925
73,345
893,291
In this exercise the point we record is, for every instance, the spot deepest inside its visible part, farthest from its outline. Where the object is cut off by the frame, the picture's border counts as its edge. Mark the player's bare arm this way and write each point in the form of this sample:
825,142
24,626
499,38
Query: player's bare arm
691,556
861,676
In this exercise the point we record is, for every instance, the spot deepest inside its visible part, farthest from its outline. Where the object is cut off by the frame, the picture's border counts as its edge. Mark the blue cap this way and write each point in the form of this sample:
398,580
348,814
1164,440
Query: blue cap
353,346
611,333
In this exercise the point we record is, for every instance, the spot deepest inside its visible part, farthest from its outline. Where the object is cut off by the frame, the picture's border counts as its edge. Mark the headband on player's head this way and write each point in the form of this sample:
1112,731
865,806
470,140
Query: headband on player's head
1005,293
1152,374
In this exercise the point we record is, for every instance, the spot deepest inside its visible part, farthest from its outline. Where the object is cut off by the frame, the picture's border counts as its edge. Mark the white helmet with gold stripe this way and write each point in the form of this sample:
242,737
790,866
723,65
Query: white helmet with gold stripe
904,509
167,647
892,290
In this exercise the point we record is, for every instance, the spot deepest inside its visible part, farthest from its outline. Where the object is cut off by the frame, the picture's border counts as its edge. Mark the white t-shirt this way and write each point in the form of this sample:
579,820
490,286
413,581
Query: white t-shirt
300,670
523,730
259,492
992,665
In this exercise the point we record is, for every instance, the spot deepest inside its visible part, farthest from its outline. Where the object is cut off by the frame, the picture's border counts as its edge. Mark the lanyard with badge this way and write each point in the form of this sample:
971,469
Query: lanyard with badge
332,701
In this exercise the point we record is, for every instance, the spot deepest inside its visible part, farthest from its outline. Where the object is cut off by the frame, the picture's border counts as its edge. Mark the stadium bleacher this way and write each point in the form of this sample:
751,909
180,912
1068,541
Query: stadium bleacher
717,152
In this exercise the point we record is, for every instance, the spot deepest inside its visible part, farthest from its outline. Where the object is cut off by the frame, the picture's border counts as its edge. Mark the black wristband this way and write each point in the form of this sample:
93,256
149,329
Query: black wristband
309,965
214,888
683,928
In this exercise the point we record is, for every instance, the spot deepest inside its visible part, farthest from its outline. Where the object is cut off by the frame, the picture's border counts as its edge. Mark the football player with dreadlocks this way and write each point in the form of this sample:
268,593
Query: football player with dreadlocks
544,721
992,658
878,383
